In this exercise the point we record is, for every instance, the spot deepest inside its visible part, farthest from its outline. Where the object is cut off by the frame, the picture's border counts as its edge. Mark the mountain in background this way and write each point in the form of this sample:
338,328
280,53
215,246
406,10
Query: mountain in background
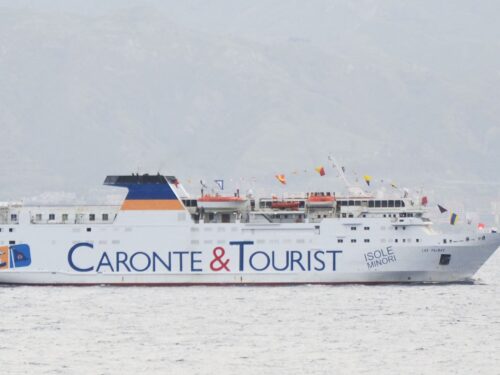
406,92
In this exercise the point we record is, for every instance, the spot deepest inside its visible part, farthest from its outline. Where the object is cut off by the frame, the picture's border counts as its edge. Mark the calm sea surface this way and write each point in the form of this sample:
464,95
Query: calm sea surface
447,329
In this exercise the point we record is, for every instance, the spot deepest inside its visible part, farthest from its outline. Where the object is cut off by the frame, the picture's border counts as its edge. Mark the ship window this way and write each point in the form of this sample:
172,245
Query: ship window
344,215
340,240
65,217
371,204
367,240
395,240
390,203
13,217
38,217
12,242
404,228
444,260
351,203
384,203
367,228
353,240
357,203
444,241
353,228
52,216
92,217
377,203
398,203
105,217
89,229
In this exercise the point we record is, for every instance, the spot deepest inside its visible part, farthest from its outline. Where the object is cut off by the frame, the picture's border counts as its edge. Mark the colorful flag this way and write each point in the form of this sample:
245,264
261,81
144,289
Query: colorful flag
453,218
424,201
320,170
480,226
367,179
442,209
281,178
394,185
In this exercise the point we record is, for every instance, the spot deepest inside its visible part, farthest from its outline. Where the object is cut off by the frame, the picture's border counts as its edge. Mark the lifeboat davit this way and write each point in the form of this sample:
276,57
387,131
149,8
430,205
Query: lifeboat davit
285,205
221,202
320,201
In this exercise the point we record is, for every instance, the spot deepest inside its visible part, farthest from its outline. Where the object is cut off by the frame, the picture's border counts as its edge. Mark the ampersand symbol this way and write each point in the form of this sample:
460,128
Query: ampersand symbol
218,253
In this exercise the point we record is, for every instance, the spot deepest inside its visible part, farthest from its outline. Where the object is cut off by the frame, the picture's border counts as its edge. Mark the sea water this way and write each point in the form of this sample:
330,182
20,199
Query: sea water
393,329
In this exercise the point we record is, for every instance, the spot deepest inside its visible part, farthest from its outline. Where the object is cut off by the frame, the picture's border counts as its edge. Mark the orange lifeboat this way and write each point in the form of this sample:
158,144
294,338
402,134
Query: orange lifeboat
320,201
284,205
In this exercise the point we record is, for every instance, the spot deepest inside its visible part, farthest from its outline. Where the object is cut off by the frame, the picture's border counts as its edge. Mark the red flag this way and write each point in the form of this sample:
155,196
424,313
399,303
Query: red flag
320,170
424,201
480,226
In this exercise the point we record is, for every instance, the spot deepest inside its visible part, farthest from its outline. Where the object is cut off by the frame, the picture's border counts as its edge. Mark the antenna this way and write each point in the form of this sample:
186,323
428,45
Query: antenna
352,189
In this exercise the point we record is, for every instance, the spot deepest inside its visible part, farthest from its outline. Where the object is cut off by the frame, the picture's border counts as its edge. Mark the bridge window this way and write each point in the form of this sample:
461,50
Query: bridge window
391,203
384,203
377,204
371,204
397,203
351,203
92,217
52,216
13,217
357,203
105,217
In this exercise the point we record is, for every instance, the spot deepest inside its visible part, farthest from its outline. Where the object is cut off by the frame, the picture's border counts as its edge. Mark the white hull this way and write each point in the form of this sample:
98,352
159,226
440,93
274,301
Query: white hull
344,263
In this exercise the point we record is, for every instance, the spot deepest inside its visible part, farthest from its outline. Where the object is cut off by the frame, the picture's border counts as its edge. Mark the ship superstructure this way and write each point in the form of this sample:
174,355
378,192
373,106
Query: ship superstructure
162,236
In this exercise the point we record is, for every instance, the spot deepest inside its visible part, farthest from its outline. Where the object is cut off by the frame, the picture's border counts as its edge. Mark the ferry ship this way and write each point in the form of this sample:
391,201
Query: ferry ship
160,235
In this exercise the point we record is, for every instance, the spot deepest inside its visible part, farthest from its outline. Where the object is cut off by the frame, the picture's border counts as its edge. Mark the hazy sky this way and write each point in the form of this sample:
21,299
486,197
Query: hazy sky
406,91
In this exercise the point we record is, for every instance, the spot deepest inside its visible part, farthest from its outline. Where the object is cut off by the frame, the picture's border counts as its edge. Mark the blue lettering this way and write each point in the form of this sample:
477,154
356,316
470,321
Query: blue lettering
319,260
296,260
70,257
242,250
148,263
250,261
334,254
193,261
181,255
104,261
273,258
157,257
120,260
